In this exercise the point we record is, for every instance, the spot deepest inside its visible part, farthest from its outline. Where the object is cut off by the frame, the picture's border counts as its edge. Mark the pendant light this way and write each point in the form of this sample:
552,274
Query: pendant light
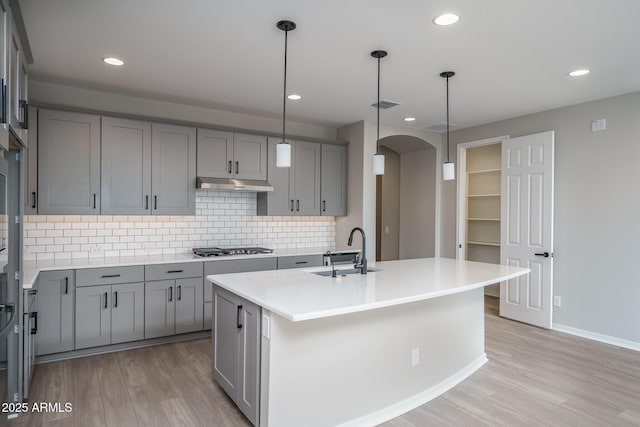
283,148
378,159
448,169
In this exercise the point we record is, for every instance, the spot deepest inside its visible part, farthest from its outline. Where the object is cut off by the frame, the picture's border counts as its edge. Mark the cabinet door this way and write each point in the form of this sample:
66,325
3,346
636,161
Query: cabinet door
16,91
126,167
250,156
215,154
280,200
55,311
225,340
93,316
249,360
159,308
189,305
173,169
31,167
127,313
333,185
4,26
69,163
306,178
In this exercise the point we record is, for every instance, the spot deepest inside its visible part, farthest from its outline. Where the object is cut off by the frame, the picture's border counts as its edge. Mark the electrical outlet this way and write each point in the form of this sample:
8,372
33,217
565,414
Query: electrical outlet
415,356
557,301
95,249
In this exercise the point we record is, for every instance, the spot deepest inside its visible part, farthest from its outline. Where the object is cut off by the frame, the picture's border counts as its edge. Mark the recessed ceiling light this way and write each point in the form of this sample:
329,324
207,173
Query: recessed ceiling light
577,73
446,19
294,97
113,61
409,119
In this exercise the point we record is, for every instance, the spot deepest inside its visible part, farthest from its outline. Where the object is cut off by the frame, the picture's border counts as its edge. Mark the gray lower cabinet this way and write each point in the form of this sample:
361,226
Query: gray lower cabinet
126,167
236,350
173,307
109,314
68,163
333,182
296,189
56,296
173,169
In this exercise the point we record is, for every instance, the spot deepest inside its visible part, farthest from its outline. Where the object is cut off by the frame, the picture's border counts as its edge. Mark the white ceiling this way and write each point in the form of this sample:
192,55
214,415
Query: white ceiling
510,57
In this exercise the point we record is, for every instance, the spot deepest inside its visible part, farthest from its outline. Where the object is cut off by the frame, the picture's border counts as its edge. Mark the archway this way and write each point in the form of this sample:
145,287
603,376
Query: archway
406,199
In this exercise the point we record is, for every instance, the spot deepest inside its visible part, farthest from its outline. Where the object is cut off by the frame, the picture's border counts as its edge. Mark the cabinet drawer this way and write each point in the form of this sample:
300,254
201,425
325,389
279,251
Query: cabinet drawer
299,261
179,270
109,275
239,265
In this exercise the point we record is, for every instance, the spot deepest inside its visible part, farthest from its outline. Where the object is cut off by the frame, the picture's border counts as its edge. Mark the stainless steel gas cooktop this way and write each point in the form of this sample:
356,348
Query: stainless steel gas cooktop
207,252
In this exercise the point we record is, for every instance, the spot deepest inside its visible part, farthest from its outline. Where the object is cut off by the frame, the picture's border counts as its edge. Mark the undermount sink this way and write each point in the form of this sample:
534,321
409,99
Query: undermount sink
344,272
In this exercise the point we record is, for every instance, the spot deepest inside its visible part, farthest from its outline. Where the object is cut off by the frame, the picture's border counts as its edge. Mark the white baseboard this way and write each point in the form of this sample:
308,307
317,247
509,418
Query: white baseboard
419,399
632,345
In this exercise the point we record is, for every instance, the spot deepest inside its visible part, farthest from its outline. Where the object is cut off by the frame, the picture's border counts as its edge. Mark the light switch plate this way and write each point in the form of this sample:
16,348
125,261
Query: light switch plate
597,125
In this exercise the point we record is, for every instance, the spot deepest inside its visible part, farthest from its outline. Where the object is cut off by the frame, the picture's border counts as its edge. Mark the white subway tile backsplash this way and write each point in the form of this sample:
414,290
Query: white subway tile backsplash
223,219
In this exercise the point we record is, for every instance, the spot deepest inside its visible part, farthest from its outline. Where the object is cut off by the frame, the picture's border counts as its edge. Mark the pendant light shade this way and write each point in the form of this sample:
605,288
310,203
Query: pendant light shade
448,168
378,159
283,148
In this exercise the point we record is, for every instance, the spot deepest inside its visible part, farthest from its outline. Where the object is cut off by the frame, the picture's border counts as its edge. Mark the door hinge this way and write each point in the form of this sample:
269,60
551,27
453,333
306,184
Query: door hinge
17,156
16,397
16,329
18,276
18,219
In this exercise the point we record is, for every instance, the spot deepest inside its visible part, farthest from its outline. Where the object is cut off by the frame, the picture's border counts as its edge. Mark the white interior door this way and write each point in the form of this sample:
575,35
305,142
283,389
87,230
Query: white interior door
527,227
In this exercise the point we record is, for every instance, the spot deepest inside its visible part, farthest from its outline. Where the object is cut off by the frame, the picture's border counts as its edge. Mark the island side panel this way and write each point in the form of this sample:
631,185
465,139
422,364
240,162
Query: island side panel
357,368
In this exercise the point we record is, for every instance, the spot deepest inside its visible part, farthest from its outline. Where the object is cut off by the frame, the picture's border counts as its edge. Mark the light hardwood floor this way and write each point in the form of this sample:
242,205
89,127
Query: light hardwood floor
533,378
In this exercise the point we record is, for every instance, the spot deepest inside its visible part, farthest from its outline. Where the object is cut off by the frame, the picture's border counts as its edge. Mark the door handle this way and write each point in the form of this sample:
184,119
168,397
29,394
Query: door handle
3,101
239,317
94,200
155,202
35,198
237,167
175,271
24,124
324,206
66,285
544,254
297,205
291,205
115,299
34,316
106,295
109,276
229,166
179,292
146,202
170,293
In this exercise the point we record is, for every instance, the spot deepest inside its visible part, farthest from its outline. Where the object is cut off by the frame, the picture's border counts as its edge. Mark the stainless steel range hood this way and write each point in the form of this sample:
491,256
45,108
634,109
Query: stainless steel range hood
230,184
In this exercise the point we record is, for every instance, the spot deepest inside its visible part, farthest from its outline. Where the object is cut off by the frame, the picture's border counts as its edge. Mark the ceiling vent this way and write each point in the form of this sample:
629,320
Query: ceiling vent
441,127
385,104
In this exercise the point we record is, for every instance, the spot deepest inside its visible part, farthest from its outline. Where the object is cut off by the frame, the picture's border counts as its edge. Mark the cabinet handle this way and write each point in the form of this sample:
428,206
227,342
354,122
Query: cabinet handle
170,293
239,317
3,108
324,206
94,200
291,205
229,166
24,105
146,202
35,198
33,292
175,271
179,292
66,285
108,276
155,202
297,205
115,299
301,262
106,295
237,167
34,316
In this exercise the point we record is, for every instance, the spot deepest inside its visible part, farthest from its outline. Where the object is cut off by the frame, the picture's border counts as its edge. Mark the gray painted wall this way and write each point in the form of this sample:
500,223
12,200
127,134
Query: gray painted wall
597,211
390,207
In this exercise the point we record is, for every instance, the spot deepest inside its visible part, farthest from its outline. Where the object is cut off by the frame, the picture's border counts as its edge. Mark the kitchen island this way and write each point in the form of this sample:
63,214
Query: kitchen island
295,348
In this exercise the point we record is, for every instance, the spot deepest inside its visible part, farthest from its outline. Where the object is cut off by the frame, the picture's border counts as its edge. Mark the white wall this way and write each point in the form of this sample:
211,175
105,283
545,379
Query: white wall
417,204
46,93
390,206
597,211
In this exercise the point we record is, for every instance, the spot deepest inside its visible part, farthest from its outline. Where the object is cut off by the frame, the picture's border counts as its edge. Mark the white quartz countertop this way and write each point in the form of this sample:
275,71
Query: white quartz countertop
32,268
299,294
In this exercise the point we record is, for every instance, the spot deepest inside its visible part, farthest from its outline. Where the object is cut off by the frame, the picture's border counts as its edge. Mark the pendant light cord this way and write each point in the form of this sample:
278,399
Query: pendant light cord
284,93
378,138
448,161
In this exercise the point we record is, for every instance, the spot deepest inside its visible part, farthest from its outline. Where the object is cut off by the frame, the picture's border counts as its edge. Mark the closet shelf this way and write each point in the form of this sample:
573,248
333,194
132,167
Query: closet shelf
483,195
484,171
497,245
483,219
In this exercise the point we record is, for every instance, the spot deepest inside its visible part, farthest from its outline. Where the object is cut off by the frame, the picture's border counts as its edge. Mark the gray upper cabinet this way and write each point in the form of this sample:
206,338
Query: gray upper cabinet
56,295
126,167
173,167
17,84
228,155
333,185
296,189
68,163
31,167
